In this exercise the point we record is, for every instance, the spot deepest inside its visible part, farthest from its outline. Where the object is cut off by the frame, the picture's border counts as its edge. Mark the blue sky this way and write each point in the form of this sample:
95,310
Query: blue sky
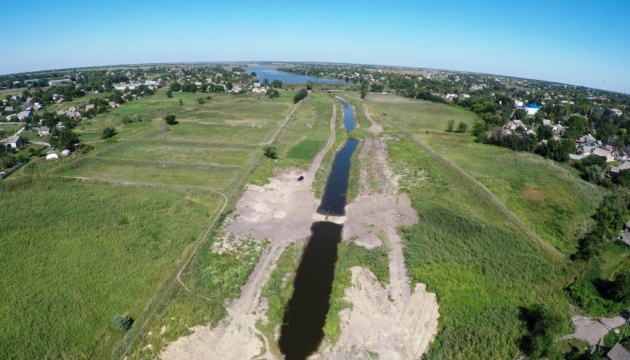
575,42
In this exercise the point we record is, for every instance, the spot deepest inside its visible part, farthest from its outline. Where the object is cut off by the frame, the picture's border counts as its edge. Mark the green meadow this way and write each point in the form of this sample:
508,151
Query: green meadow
76,254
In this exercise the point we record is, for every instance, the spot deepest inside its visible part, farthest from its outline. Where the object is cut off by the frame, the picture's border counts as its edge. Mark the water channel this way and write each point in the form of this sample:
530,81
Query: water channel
305,315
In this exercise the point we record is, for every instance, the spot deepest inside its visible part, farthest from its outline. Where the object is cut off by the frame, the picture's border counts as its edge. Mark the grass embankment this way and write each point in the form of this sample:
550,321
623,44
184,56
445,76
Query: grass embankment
549,197
472,245
75,254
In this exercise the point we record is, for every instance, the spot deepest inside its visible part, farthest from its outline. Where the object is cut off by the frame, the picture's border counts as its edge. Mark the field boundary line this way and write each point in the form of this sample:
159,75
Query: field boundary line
500,205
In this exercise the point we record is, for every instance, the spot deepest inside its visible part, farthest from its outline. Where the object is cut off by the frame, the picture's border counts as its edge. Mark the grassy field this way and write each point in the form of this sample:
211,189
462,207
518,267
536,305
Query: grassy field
394,112
173,175
548,196
78,254
197,155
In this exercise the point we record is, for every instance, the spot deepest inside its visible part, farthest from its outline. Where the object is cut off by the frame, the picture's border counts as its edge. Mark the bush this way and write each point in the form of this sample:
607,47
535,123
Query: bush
270,152
123,322
108,132
451,124
170,119
201,101
544,327
462,127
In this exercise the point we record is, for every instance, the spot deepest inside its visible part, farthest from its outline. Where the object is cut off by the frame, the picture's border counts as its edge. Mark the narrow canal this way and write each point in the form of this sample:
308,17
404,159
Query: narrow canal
305,315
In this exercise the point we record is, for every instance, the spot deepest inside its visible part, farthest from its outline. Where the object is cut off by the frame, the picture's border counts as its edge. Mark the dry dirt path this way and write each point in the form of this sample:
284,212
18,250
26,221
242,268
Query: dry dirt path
282,212
395,321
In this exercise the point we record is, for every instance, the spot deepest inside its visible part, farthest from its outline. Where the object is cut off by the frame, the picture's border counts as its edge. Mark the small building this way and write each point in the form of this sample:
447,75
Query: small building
25,115
618,352
12,117
8,108
13,142
515,124
617,169
603,153
43,131
587,139
89,107
615,112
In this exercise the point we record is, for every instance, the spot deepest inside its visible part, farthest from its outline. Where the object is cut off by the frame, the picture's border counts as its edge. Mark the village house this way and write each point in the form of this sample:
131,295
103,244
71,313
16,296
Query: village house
25,116
13,142
617,169
514,124
603,153
587,139
43,131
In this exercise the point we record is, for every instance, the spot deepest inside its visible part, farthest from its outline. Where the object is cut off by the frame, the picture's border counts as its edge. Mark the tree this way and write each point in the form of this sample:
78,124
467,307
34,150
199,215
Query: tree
169,94
451,124
544,327
576,127
189,87
123,322
273,93
363,93
170,119
270,152
277,84
462,127
479,128
623,178
65,139
544,132
300,95
175,86
108,132
181,102
620,290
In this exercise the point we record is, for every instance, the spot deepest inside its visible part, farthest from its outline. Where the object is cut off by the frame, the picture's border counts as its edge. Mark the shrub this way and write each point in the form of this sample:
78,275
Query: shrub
170,119
300,95
270,152
123,322
108,132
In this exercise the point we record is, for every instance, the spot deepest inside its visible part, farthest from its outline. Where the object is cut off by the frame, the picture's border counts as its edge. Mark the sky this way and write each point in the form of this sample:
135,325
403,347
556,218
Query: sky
579,42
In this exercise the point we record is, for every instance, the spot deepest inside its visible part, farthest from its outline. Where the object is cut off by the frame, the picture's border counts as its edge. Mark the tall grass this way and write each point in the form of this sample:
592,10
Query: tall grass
74,255
481,270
